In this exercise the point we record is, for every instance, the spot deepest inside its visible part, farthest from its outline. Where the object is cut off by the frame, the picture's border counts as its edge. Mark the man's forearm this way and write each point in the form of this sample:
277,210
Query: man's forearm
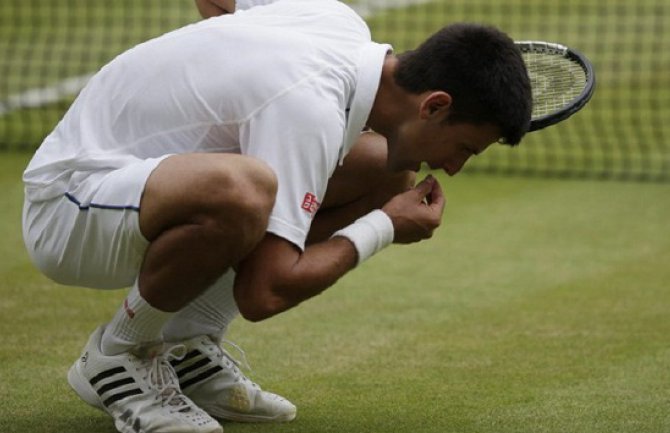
277,276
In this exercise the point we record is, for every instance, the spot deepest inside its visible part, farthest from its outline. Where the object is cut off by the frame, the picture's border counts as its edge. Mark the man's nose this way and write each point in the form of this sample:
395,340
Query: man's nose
454,165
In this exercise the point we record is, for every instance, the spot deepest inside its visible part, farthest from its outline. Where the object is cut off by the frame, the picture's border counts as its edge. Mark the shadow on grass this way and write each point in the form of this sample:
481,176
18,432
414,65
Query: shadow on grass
48,422
98,422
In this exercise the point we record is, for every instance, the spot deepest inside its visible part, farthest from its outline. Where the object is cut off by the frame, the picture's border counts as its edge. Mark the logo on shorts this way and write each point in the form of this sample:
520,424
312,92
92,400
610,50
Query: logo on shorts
310,203
129,311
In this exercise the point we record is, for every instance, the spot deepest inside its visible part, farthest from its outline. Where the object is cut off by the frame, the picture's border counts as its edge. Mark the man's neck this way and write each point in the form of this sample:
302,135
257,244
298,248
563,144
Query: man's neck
392,104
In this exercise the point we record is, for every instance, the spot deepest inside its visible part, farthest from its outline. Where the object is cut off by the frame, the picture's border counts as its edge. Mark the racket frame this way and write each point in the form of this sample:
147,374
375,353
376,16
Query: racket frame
579,101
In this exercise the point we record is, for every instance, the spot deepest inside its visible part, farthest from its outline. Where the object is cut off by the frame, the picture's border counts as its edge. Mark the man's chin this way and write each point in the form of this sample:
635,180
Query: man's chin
407,166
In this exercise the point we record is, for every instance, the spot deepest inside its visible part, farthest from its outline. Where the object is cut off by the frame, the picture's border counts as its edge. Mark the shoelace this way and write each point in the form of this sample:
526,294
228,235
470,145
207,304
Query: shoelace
164,379
244,363
236,364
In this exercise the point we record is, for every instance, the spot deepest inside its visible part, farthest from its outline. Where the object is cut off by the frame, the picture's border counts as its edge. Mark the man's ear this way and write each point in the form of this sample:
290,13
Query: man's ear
435,104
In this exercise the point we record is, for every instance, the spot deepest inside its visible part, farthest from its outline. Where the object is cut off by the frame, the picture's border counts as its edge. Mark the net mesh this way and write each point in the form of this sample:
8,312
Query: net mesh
48,50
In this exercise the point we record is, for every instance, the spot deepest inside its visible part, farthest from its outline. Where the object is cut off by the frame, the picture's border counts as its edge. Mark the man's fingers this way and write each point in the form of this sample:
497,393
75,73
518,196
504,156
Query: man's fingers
417,212
424,188
437,199
430,192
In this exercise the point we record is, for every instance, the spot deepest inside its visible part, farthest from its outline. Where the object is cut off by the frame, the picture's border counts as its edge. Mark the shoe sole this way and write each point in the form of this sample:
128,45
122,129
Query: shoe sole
83,388
239,417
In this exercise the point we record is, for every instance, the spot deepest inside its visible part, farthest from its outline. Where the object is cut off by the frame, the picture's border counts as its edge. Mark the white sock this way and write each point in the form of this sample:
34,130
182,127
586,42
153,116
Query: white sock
135,323
208,314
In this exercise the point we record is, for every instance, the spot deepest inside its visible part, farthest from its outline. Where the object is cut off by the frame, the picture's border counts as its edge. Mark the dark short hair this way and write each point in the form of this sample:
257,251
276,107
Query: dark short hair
482,70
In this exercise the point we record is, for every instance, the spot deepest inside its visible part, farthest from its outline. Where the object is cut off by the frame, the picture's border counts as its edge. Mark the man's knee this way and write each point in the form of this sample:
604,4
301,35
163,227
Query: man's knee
248,200
365,176
401,181
232,194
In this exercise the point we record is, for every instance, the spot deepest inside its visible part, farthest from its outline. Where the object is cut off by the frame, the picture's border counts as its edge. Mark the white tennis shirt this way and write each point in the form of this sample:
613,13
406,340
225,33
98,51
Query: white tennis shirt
291,83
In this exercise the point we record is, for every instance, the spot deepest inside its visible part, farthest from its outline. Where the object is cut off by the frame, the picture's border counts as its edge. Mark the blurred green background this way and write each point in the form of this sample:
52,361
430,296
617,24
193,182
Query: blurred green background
48,50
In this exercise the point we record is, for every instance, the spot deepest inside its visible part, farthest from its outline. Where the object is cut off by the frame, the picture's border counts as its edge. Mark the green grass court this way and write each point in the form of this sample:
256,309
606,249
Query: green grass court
539,306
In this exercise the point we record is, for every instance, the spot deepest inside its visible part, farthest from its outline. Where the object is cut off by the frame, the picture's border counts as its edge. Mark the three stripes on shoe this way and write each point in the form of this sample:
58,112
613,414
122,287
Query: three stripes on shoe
121,379
192,369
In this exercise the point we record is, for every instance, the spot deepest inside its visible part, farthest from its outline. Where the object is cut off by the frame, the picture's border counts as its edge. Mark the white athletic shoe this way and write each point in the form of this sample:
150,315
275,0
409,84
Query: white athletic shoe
140,391
210,377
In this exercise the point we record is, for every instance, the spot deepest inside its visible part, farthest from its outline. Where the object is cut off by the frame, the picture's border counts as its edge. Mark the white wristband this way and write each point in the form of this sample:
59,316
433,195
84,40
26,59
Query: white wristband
369,234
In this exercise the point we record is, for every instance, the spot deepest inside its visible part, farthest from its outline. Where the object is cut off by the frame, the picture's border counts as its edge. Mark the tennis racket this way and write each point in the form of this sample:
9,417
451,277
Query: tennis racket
562,81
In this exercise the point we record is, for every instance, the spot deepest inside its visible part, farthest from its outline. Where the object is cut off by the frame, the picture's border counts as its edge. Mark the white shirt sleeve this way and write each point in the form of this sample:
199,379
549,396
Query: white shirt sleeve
299,136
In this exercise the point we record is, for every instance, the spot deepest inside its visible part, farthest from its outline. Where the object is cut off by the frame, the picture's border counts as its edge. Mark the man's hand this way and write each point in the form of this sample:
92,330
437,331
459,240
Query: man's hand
416,213
212,8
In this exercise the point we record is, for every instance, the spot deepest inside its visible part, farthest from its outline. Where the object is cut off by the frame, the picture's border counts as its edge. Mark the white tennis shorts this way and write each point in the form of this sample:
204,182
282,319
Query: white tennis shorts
90,236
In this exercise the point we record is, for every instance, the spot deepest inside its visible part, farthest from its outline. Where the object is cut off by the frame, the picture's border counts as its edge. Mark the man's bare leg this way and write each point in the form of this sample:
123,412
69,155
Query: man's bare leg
223,207
201,213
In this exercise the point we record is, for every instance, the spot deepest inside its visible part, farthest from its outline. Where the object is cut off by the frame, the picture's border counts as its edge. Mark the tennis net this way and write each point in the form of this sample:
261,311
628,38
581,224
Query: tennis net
48,50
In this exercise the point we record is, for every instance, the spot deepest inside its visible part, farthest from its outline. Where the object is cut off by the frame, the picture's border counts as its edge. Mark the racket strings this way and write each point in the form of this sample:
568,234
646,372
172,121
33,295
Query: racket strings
556,81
